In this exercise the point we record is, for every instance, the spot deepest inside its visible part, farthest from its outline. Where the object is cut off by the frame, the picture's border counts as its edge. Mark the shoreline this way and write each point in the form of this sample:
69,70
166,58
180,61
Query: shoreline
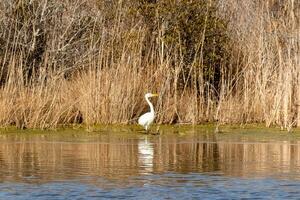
162,128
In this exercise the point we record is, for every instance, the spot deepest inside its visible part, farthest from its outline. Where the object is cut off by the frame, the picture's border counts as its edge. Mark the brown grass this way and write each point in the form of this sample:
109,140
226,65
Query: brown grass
75,63
267,34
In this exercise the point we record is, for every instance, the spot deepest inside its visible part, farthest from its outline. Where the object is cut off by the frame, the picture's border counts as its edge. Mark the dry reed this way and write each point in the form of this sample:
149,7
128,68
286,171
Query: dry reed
65,62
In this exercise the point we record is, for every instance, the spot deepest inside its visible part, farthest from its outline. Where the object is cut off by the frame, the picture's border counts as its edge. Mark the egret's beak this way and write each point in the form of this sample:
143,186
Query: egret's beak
155,95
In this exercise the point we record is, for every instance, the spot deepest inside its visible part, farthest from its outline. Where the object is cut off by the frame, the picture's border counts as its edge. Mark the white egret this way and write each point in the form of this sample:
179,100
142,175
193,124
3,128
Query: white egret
146,119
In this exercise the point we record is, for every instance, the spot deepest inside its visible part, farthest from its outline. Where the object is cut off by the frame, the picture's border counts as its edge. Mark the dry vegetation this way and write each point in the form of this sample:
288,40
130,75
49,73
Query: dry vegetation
91,61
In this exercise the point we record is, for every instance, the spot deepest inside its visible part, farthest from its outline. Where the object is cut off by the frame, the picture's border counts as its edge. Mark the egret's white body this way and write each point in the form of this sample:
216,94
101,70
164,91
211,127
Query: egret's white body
146,119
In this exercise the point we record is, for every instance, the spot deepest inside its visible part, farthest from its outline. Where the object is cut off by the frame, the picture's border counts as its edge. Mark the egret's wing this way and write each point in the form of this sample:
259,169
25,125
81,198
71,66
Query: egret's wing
146,119
143,119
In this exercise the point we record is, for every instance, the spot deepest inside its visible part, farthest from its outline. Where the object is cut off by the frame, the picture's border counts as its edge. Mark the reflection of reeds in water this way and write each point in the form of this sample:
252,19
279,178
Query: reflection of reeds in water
246,159
121,158
48,160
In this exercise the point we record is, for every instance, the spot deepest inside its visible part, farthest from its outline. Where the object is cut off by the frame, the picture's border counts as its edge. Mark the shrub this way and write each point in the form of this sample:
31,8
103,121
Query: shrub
192,33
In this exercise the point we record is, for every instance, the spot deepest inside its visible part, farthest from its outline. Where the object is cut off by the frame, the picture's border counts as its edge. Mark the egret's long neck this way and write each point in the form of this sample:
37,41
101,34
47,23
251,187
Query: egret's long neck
150,104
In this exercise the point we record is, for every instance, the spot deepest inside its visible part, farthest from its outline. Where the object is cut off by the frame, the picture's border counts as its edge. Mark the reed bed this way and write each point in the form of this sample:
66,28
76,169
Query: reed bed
91,62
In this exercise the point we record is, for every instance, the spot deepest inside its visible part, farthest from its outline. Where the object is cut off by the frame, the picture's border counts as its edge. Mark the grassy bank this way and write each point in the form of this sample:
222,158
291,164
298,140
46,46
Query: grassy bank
91,61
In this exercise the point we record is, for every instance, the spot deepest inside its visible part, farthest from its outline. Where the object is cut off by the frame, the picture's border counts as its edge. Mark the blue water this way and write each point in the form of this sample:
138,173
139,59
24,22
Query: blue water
135,166
164,186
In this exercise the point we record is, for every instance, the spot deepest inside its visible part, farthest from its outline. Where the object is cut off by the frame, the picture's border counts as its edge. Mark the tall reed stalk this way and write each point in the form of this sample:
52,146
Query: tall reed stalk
91,62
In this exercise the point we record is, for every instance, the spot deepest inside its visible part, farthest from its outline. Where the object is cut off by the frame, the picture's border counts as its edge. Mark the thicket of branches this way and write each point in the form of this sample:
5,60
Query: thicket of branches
91,61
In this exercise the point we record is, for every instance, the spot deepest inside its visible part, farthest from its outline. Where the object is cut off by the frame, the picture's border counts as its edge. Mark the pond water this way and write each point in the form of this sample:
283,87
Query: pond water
185,163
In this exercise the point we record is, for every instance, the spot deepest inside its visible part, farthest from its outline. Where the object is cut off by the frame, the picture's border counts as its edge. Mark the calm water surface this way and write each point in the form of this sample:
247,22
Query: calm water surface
178,164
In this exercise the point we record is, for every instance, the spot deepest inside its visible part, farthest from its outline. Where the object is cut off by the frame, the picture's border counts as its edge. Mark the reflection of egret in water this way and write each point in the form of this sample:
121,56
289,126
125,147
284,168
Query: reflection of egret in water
145,156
